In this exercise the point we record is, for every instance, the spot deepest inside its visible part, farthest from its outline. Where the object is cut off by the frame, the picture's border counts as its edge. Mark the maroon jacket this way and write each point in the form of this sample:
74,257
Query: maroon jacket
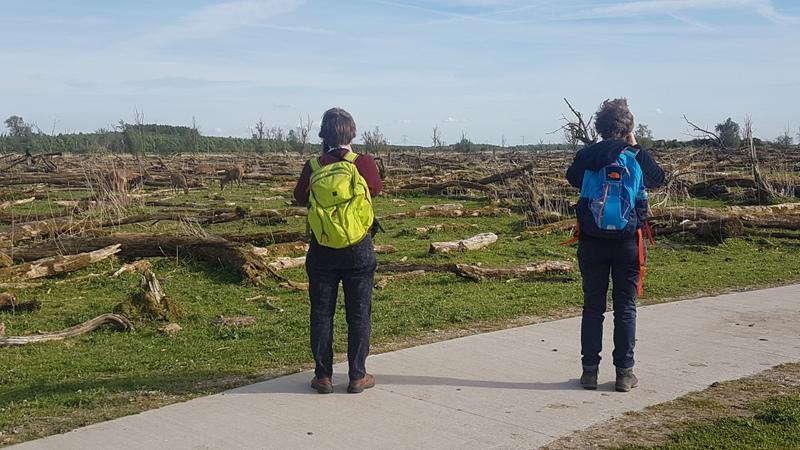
364,163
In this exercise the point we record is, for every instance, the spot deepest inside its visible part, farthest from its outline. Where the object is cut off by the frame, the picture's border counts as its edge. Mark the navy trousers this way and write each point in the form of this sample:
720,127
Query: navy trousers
353,267
597,259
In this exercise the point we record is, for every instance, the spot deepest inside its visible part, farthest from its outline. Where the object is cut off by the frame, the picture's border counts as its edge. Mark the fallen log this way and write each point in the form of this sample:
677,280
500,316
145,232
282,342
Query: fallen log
115,320
291,238
529,270
10,203
715,230
718,186
779,222
283,263
443,207
56,265
474,243
514,173
7,218
68,224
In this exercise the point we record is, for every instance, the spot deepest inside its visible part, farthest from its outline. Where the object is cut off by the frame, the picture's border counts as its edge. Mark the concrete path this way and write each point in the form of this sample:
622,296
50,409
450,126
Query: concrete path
508,389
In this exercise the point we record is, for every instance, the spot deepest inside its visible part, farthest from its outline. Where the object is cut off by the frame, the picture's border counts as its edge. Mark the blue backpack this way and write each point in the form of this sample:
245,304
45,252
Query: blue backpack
615,198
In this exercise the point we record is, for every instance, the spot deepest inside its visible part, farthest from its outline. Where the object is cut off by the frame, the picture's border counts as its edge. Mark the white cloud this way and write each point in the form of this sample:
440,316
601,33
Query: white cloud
220,18
659,110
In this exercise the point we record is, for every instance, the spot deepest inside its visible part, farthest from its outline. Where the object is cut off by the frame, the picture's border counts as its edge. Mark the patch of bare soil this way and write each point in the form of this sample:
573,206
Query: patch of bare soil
654,425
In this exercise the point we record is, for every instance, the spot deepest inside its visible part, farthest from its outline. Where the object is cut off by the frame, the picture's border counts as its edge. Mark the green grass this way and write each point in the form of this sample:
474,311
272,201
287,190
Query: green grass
58,386
775,425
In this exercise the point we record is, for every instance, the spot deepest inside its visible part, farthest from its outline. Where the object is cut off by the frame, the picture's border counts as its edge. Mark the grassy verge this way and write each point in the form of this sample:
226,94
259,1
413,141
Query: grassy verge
758,412
55,387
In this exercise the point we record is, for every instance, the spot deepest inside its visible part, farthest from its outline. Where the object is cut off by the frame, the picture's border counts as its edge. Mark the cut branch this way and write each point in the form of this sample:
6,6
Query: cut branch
115,320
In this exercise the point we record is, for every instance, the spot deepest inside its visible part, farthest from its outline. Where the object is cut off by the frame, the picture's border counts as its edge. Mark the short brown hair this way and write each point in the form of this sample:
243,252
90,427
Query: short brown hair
614,120
338,128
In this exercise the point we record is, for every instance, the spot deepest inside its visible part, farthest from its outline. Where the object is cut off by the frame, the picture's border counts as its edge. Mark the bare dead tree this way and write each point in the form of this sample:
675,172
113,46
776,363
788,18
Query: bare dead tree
577,129
764,192
436,138
304,130
706,133
260,134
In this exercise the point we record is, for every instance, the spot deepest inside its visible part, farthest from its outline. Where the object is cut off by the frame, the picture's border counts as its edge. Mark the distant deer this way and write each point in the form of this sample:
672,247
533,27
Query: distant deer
232,174
119,179
178,181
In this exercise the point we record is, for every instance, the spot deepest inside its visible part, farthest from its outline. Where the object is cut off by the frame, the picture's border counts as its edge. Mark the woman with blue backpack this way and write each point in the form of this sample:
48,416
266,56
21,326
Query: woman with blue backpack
338,186
613,176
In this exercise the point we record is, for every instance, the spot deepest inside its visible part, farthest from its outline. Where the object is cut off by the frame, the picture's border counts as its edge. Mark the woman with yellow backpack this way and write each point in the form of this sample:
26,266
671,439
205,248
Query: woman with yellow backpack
338,187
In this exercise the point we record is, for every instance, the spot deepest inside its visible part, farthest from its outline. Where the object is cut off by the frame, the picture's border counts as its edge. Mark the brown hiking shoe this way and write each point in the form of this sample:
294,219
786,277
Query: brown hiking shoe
322,385
358,386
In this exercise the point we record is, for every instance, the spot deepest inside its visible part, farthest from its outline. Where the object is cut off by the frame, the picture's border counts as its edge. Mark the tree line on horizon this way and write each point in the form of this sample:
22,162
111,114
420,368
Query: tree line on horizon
139,138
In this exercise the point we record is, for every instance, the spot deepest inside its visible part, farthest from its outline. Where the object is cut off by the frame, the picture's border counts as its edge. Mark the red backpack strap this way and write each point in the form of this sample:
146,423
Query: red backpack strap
576,234
642,262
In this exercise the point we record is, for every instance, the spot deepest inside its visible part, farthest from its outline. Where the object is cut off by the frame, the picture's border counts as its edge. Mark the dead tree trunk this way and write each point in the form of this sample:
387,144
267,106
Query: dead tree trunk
56,265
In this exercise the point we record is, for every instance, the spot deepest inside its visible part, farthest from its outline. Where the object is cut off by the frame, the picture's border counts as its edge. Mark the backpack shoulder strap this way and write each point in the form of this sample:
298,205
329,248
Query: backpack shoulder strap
631,151
351,156
314,164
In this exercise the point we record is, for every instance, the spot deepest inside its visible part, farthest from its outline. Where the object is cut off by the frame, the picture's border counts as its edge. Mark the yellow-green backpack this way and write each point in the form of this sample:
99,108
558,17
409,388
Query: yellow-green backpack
340,213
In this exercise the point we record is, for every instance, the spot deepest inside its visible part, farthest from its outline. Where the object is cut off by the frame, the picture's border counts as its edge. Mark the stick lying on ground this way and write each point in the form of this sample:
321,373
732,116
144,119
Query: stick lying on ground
106,319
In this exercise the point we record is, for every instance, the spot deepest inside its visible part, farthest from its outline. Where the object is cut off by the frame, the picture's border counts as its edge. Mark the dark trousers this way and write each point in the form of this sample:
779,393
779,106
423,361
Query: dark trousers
354,267
597,259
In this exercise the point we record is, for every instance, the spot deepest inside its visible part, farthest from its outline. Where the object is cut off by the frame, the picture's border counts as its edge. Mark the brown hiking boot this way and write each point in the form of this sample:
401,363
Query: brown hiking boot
358,386
322,385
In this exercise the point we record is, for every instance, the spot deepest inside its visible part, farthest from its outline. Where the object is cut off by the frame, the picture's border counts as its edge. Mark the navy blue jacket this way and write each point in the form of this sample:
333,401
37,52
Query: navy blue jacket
597,156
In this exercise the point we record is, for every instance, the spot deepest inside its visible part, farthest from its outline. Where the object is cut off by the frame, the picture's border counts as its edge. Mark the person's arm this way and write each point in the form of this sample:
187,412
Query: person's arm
654,175
369,170
301,189
576,171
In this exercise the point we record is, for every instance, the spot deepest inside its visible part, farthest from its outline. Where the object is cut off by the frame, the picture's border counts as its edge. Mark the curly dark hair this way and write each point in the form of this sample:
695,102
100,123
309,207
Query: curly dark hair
338,128
614,120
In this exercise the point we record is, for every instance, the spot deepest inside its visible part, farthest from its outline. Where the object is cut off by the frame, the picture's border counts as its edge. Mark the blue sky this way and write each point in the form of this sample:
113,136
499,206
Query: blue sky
489,68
